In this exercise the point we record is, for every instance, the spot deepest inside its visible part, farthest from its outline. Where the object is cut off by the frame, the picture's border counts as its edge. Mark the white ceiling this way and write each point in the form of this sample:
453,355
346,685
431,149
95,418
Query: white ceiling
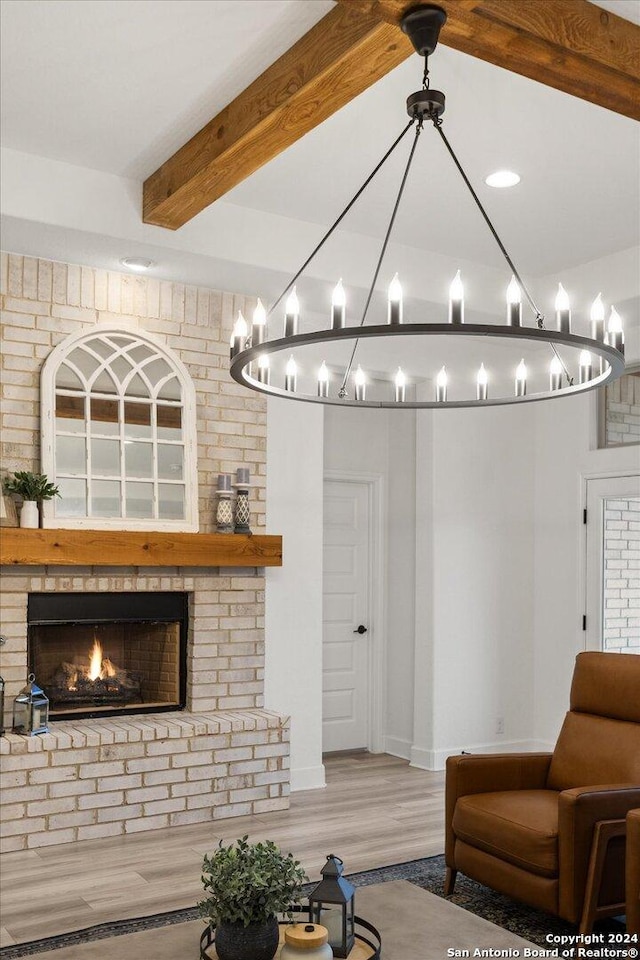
118,85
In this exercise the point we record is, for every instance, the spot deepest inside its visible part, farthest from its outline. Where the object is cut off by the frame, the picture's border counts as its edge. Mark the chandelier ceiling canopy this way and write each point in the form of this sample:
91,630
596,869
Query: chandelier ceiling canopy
271,356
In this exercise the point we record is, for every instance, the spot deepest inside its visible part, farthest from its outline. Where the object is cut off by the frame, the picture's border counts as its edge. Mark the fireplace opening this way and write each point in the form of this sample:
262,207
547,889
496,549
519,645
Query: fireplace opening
97,654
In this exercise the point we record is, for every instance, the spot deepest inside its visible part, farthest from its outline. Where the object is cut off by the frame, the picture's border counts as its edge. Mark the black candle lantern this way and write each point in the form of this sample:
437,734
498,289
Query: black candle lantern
332,904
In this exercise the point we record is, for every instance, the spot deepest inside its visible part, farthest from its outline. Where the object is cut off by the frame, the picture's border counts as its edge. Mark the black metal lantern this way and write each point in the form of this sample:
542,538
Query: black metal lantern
1,706
31,709
332,904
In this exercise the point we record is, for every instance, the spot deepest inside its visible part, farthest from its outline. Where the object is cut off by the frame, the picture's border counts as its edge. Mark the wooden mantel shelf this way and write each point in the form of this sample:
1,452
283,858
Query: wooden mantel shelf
123,548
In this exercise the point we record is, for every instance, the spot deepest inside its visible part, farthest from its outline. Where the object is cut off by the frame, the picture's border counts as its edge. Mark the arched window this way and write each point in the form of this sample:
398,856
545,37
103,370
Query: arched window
118,433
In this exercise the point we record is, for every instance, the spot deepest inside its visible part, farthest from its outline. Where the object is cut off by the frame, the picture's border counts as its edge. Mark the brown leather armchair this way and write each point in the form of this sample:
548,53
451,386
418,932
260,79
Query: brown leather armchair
548,829
633,872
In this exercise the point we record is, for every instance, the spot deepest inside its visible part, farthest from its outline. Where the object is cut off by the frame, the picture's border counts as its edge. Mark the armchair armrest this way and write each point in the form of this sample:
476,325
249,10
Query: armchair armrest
486,773
579,809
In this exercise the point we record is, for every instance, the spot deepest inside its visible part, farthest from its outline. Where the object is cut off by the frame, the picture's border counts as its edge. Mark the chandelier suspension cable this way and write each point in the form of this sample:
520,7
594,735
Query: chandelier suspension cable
341,217
343,387
437,122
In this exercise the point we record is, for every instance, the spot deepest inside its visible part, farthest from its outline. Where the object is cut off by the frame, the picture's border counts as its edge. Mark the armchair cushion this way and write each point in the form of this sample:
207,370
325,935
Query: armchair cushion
518,826
593,750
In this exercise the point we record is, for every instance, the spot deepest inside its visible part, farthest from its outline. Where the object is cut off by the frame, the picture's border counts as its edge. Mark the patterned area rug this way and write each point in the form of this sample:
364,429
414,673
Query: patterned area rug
427,874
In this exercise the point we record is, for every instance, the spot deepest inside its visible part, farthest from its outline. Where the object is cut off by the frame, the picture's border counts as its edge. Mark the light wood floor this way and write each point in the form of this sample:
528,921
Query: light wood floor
375,810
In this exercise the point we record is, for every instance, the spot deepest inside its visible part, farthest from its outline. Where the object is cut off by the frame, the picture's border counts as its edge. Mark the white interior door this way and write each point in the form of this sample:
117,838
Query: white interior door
346,650
613,565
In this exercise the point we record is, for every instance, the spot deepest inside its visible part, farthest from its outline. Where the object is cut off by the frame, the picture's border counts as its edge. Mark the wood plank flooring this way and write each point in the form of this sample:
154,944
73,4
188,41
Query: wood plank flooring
375,810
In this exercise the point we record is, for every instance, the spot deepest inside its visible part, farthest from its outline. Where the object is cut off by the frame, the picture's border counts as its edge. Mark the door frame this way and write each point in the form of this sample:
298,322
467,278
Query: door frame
376,600
583,587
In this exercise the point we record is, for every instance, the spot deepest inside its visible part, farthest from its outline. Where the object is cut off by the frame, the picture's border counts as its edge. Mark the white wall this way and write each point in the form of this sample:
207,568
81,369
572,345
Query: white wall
382,443
293,625
478,660
565,456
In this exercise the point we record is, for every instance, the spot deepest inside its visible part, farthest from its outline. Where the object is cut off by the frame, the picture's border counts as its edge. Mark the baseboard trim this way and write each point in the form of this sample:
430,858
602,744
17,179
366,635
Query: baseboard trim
437,759
397,747
308,778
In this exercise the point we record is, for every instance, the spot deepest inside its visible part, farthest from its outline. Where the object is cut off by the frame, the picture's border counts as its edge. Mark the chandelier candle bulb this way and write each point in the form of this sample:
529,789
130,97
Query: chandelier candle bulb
482,383
555,374
394,301
323,380
259,326
338,307
239,335
615,333
456,300
521,379
360,383
563,310
441,386
264,373
401,385
291,314
291,375
586,365
514,304
597,319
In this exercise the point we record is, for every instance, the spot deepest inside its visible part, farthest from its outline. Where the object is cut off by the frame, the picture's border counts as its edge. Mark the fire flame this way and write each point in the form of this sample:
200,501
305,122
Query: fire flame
99,668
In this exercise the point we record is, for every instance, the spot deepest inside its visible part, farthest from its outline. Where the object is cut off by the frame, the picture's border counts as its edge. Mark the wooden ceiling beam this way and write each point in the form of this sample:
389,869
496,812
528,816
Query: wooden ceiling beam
342,55
571,45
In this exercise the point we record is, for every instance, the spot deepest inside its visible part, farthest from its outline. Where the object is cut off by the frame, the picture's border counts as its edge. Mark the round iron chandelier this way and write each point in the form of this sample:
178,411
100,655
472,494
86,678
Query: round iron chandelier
579,361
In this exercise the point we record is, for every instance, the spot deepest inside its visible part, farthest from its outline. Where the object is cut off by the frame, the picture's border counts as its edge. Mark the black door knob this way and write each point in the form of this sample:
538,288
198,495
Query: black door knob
361,629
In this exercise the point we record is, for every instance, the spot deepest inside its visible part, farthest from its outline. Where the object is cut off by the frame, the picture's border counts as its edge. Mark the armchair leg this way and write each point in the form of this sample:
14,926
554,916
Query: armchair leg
449,881
604,832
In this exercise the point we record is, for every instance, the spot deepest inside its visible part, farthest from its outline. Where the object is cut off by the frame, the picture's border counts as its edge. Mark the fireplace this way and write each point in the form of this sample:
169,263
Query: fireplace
100,654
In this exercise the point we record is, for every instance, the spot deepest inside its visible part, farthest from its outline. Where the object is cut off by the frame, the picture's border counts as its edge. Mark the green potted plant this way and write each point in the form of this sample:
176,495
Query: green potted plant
33,488
247,885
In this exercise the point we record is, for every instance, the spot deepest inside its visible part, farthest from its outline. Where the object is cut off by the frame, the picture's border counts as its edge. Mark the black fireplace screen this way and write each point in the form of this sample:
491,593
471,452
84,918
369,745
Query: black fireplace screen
103,653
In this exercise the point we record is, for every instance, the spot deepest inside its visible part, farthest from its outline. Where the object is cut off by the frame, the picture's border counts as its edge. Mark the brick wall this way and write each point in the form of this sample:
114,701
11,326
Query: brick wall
224,756
622,410
622,576
43,302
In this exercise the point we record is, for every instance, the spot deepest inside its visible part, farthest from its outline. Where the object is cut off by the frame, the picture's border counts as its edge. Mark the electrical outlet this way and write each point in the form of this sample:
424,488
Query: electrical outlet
499,725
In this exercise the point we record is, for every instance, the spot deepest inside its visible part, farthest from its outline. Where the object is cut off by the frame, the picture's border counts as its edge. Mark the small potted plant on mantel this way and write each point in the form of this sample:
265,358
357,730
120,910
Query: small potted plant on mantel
33,488
247,886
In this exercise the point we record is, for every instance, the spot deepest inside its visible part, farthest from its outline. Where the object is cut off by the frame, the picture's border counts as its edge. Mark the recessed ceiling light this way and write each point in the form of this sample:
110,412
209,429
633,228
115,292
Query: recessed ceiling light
502,178
140,264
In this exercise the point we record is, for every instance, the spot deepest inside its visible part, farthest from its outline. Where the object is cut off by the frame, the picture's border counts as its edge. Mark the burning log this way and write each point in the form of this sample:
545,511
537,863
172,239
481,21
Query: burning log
73,683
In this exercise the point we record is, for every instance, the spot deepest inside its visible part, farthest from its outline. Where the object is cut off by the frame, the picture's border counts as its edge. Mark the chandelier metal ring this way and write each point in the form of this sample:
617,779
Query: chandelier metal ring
613,361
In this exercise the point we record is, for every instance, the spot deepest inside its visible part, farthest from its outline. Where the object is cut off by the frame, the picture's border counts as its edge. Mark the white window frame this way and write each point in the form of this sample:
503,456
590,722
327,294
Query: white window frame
48,432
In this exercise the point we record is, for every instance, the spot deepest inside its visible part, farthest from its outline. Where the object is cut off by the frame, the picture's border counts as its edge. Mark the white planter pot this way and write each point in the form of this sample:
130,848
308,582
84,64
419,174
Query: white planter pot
29,515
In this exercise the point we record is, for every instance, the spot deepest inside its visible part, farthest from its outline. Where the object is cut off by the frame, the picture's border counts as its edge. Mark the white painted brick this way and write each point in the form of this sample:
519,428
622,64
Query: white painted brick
99,830
146,794
130,811
78,819
93,801
51,837
147,823
165,806
128,782
22,794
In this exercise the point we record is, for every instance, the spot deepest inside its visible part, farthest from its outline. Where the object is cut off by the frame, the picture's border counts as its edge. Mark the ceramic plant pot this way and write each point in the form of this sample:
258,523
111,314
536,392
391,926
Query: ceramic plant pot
29,515
258,941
